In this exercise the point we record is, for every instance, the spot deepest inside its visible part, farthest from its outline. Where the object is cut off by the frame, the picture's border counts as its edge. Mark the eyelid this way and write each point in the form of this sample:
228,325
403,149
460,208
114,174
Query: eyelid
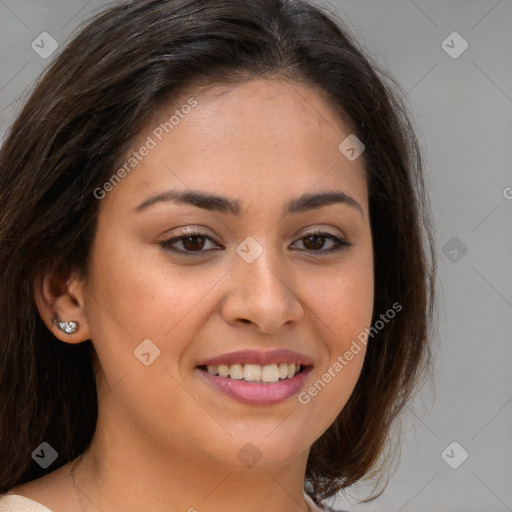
198,230
341,242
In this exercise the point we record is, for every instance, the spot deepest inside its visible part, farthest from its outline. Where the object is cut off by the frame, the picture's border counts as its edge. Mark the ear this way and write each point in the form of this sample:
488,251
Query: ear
61,295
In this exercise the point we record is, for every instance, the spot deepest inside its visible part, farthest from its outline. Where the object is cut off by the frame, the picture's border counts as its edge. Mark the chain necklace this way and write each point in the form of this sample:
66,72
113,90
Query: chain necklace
74,483
79,496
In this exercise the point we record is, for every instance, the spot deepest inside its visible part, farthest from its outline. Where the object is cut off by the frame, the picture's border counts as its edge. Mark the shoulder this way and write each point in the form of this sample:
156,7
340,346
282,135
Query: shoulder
16,503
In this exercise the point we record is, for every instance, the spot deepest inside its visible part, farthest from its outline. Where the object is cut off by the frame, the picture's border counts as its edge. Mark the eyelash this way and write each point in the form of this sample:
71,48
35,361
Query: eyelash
340,243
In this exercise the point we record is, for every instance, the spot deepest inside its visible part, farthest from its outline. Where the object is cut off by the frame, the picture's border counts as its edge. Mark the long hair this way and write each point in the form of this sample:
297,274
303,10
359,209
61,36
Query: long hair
80,119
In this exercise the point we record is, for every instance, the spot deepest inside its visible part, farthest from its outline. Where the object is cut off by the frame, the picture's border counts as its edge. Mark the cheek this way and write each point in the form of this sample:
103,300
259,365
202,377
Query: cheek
128,291
342,302
135,297
342,306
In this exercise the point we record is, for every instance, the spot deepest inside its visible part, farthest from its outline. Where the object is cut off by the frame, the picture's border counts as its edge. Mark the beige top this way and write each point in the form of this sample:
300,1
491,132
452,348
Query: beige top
15,503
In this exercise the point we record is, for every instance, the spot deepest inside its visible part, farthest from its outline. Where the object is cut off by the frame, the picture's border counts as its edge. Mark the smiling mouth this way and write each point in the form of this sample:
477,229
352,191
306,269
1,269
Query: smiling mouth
255,373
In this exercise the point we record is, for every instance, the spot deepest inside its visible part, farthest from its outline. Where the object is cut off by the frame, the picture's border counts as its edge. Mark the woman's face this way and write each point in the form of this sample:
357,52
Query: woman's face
163,315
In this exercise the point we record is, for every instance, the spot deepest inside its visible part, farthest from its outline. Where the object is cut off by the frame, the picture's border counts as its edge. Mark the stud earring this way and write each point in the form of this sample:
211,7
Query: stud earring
67,327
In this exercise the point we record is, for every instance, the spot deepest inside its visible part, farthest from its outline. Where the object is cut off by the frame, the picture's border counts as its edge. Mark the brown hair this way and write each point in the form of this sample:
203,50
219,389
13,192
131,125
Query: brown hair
73,131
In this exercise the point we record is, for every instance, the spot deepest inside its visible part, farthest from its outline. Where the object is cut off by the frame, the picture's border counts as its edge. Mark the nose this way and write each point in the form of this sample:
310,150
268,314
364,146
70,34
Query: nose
264,294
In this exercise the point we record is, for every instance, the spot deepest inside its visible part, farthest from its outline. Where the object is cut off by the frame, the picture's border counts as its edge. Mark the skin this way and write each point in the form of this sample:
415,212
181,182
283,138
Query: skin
166,440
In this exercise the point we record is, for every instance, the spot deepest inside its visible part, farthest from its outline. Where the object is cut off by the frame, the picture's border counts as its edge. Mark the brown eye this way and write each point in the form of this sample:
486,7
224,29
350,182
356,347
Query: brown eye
315,241
192,242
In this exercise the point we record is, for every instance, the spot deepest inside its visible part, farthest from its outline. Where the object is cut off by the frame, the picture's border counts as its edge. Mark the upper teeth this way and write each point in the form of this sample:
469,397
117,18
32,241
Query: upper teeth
255,372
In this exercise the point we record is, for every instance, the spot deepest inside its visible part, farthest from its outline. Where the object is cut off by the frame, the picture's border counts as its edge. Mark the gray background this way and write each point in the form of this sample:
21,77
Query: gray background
462,110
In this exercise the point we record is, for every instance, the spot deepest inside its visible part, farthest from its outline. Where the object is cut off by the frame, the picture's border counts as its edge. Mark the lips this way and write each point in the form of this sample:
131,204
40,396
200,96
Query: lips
258,377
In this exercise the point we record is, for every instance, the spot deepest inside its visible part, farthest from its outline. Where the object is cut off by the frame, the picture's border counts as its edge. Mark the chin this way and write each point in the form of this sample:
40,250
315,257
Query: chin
261,451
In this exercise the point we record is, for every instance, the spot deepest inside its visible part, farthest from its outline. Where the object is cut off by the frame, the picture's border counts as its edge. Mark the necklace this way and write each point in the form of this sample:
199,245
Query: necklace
74,483
79,496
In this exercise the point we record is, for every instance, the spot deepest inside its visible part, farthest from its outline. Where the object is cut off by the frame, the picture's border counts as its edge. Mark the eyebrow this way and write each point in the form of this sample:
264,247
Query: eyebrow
227,205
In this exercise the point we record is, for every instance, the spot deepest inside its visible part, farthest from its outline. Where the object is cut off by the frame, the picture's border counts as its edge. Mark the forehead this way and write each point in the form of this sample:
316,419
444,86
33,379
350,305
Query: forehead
257,137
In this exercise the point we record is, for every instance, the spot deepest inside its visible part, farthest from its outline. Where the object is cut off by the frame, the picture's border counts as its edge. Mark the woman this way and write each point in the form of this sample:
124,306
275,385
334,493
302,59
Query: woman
217,265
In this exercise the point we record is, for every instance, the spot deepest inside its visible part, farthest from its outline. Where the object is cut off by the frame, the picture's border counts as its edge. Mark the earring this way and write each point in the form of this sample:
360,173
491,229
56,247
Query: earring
67,327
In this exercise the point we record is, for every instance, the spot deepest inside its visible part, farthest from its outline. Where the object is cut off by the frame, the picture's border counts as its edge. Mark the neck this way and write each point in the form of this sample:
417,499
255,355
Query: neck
124,469
117,483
